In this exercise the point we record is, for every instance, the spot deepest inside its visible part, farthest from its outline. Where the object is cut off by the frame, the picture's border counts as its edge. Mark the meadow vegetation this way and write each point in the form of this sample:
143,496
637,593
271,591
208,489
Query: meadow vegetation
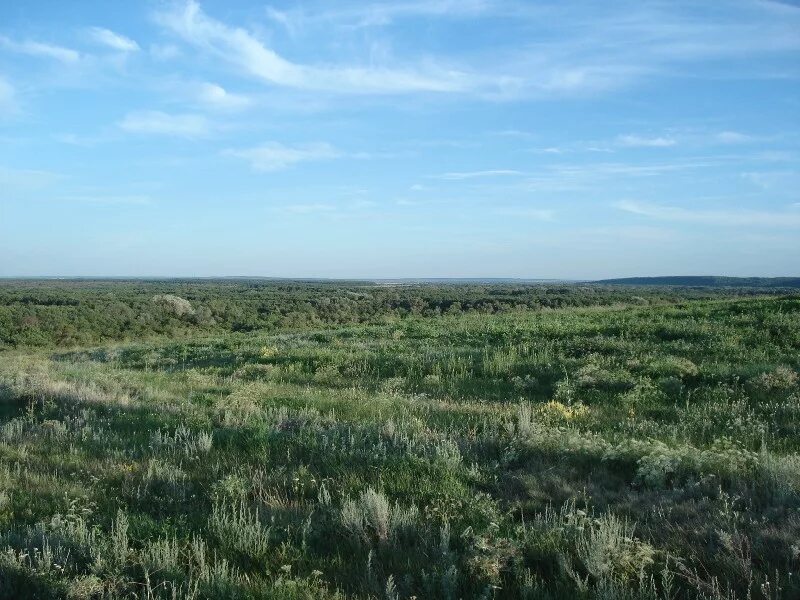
319,440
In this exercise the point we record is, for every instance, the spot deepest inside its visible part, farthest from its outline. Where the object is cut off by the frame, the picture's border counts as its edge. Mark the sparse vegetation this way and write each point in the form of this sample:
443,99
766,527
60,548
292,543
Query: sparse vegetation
278,440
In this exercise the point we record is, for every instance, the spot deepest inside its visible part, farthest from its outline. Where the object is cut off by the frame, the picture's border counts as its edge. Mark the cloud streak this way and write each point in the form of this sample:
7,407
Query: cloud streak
217,97
733,137
536,214
153,122
364,15
459,176
8,95
636,141
307,209
25,179
274,156
605,50
728,217
240,48
41,49
111,200
113,40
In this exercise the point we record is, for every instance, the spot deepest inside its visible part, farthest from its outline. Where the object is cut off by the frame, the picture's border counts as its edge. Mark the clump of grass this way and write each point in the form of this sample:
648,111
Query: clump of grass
239,529
372,516
183,441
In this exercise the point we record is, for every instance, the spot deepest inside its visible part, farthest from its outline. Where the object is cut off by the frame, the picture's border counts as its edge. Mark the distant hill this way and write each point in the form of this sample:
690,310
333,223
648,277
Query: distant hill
708,281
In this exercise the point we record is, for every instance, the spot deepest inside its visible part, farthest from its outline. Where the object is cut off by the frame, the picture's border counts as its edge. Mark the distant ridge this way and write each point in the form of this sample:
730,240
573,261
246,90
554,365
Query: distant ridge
708,281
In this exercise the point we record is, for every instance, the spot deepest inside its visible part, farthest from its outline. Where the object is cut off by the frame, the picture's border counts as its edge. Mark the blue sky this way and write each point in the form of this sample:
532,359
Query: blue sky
417,138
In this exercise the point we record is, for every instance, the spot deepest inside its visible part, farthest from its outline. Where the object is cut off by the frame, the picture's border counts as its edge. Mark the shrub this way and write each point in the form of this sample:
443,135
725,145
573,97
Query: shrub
175,305
587,550
371,516
239,529
782,379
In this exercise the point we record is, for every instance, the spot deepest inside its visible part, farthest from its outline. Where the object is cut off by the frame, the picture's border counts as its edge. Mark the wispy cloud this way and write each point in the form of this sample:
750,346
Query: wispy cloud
41,49
159,123
537,214
113,40
601,51
774,181
84,141
110,199
590,175
636,141
363,15
306,209
733,137
512,133
461,175
281,18
25,179
274,156
724,217
217,97
246,52
164,52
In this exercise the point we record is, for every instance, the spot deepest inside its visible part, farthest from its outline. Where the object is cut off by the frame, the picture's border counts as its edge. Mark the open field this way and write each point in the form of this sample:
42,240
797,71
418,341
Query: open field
238,439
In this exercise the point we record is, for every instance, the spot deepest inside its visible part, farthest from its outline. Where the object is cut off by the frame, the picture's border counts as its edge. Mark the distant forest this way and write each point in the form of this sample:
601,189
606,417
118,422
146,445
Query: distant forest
708,281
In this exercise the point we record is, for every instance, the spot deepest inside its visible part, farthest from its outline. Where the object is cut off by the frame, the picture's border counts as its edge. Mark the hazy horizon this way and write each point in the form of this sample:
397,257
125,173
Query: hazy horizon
421,140
381,279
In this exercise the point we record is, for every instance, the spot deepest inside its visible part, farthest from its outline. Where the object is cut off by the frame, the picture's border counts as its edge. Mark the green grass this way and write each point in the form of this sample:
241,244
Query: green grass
617,450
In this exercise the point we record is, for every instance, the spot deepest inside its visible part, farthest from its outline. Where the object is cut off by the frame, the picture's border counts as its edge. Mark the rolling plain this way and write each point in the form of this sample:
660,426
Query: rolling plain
277,439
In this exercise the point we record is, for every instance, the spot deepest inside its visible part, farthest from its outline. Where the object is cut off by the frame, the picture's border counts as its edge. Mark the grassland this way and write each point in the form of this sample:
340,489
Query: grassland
242,440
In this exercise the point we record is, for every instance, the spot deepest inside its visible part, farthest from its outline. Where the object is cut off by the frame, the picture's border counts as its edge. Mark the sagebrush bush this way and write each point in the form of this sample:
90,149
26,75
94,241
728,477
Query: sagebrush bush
372,516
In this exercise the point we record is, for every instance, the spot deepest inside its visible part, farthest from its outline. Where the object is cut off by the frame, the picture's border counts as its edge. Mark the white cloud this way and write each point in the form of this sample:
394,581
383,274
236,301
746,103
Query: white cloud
733,137
216,96
160,123
113,40
636,141
512,133
32,48
239,47
274,156
724,217
458,176
548,150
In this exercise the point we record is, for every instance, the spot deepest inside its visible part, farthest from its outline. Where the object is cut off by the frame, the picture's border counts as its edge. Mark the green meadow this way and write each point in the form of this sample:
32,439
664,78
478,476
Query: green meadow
244,439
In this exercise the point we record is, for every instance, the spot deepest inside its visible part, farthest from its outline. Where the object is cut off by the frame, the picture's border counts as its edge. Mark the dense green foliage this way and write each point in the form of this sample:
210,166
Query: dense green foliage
436,441
81,312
